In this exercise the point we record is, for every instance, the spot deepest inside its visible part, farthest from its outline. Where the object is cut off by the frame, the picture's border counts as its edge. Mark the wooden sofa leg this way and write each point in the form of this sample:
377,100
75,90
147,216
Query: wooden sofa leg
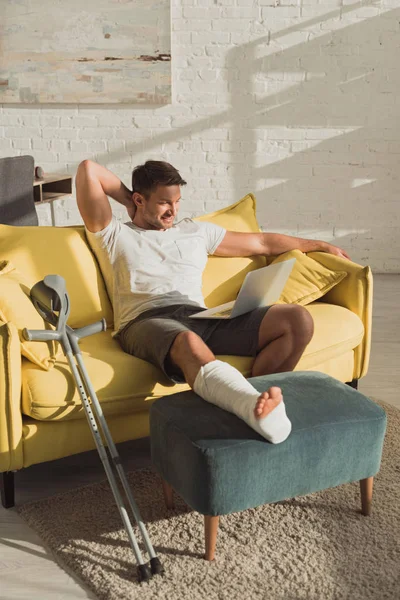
168,494
210,530
353,383
366,486
7,489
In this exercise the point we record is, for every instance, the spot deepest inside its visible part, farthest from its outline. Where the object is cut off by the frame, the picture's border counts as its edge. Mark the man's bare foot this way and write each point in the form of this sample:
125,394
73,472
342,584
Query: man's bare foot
267,402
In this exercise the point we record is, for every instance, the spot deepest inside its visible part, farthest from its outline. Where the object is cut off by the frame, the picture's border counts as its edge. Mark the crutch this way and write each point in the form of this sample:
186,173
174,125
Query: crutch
49,296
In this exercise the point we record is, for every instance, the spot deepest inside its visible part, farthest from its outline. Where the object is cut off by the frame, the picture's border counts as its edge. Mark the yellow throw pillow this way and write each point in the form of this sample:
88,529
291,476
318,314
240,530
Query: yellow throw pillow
308,281
223,277
240,216
16,306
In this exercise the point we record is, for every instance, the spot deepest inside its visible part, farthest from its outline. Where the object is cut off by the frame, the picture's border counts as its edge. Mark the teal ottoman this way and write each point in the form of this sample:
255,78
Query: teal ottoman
219,465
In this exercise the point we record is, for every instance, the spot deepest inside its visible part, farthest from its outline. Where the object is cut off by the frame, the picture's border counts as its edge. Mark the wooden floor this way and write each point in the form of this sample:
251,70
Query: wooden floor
27,571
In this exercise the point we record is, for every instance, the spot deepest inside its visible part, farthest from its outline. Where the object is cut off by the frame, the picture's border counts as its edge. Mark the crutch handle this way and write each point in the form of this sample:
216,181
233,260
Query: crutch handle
82,332
40,335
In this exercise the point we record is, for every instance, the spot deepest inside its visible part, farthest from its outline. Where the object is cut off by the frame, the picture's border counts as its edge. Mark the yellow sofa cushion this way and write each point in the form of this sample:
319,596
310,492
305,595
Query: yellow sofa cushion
16,306
222,278
308,281
41,251
126,384
123,383
337,330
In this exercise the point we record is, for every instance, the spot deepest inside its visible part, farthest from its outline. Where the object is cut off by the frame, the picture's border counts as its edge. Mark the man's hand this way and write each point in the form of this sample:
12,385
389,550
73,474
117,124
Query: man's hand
336,251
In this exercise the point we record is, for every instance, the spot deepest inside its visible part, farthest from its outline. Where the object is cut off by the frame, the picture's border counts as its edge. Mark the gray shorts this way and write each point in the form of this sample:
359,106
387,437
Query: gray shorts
151,335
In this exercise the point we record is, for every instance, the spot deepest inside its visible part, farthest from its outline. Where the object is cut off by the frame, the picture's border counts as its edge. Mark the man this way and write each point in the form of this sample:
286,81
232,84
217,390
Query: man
153,272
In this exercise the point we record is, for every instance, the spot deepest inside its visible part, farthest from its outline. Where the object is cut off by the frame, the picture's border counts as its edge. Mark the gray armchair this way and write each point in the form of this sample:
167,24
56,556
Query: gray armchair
17,206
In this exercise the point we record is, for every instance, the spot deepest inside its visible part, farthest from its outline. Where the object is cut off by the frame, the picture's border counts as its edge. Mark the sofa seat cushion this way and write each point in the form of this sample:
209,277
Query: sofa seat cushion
125,384
336,330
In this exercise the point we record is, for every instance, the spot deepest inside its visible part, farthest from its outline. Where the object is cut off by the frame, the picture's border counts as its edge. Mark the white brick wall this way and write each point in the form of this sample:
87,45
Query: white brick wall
297,101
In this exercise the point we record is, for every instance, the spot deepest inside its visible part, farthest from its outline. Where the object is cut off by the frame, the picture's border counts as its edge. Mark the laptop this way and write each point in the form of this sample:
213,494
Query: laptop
261,287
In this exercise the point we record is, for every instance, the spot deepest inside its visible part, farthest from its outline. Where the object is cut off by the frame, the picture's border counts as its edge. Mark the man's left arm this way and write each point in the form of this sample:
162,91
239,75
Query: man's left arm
271,244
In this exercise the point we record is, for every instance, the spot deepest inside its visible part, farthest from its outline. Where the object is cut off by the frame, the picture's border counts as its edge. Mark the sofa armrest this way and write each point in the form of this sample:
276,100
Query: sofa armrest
11,456
355,293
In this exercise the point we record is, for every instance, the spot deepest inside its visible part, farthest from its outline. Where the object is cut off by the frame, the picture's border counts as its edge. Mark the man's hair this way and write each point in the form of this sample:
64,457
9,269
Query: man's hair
146,178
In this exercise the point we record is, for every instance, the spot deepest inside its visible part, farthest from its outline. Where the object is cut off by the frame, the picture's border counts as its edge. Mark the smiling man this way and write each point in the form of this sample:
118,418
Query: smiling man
153,270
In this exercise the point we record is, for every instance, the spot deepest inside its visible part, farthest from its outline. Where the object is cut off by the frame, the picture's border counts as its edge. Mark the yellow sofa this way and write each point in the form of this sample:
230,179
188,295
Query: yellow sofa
41,416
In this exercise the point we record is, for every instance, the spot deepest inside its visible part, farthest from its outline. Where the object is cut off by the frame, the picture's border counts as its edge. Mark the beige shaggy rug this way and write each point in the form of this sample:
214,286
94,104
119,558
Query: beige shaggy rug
315,547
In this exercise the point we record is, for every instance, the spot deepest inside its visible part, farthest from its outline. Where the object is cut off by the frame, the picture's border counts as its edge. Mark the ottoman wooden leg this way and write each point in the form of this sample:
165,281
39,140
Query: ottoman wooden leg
168,494
210,530
366,495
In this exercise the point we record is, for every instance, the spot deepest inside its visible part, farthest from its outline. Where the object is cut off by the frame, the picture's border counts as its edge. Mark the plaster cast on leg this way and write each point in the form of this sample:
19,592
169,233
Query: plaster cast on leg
223,385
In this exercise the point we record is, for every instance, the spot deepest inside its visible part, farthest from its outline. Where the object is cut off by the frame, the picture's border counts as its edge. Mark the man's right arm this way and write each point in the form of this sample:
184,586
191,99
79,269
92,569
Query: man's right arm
93,184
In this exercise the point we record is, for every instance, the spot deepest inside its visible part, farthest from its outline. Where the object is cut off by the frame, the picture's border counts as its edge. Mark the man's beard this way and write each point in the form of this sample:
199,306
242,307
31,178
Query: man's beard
160,223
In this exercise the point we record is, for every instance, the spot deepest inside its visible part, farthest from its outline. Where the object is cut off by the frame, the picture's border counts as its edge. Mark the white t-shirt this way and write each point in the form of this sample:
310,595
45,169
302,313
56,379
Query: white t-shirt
145,269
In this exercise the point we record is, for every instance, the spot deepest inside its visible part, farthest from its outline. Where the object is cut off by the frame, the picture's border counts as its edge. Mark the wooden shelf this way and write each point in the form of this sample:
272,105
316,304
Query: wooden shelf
51,187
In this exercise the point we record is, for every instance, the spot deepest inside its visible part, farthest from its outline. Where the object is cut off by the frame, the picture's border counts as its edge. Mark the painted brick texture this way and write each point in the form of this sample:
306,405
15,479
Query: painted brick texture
297,101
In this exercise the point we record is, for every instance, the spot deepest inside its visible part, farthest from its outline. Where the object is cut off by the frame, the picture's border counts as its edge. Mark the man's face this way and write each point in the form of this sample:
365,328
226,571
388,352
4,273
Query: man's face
161,209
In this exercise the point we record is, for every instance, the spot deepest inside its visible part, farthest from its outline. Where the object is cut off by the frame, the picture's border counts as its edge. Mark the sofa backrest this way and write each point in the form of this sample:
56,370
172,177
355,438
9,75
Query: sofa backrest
41,251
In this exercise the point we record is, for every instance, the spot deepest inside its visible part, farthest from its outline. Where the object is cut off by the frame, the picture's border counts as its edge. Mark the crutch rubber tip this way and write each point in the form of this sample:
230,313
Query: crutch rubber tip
144,572
156,566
